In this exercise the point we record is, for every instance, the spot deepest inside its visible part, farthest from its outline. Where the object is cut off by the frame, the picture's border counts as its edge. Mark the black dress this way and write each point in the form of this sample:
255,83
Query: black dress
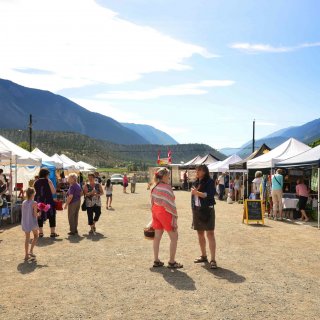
44,195
203,212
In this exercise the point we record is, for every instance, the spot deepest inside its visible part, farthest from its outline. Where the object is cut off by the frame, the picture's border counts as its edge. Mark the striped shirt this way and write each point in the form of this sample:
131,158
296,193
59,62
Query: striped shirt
163,196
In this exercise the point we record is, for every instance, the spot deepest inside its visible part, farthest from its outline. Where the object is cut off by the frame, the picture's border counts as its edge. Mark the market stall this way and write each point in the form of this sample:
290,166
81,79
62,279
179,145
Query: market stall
86,167
311,160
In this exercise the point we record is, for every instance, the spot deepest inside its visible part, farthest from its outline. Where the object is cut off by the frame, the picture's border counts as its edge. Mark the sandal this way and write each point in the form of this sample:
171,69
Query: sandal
175,265
158,264
213,264
201,259
54,235
32,255
41,235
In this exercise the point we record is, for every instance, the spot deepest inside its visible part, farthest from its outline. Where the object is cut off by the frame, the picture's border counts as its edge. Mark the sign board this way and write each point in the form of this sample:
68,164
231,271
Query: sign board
163,161
253,211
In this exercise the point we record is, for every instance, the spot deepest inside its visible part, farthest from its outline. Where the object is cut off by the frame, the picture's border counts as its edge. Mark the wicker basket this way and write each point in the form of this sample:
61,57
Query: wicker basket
148,233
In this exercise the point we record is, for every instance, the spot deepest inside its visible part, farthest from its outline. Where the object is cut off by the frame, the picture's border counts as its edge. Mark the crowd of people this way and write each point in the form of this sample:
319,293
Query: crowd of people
164,211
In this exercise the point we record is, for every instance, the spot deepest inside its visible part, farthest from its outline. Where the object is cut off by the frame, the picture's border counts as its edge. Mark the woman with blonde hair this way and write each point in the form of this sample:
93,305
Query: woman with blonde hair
256,184
164,217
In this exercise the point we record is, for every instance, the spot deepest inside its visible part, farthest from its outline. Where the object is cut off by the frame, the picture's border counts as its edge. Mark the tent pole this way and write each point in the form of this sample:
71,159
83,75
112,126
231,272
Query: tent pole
11,190
318,197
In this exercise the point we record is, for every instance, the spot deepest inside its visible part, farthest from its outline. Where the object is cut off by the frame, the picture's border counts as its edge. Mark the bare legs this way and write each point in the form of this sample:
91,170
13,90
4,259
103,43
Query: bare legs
33,243
173,235
304,216
211,241
156,244
109,201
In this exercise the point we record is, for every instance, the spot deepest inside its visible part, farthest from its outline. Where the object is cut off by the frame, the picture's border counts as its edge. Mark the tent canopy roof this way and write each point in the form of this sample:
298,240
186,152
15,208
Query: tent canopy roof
86,166
242,165
207,159
307,158
223,166
18,155
45,158
288,149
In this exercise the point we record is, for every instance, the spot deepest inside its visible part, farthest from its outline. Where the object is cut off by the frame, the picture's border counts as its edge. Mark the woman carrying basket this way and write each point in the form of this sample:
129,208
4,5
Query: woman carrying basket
164,217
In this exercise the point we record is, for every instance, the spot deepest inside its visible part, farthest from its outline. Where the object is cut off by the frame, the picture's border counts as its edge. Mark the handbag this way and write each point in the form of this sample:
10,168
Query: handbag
149,231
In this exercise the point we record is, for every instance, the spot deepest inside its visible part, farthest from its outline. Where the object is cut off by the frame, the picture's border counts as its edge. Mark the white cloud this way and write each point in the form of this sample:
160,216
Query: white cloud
260,48
78,43
175,90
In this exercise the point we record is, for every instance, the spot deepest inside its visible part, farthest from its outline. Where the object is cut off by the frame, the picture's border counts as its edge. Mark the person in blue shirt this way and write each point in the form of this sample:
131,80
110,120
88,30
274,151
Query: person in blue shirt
276,192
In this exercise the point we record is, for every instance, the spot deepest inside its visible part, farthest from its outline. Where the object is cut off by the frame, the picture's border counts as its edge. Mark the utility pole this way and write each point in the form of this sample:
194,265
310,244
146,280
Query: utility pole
253,135
30,133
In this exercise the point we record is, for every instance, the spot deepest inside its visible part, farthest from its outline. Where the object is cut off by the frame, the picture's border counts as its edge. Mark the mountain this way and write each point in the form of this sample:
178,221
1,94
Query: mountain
306,133
229,151
106,154
153,135
53,112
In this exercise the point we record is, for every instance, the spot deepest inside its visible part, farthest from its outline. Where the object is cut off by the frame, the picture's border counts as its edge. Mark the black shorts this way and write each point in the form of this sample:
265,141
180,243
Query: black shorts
302,202
109,196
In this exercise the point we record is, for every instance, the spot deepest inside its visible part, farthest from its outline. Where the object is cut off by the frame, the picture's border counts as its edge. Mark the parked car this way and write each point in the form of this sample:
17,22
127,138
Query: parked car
117,179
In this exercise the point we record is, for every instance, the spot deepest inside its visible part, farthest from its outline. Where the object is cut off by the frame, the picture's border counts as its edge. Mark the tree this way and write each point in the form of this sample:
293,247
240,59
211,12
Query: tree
25,145
315,143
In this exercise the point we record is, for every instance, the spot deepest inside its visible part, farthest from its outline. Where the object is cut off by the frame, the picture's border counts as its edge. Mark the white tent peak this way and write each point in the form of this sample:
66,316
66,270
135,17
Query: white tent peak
286,150
223,166
18,155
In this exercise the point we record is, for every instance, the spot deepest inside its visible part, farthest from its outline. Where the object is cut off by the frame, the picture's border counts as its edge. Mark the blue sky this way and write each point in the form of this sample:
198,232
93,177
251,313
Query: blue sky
200,70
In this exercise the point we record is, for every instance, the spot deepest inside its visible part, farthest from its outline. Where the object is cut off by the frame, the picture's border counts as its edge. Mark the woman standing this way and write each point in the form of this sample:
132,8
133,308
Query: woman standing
109,190
125,183
303,194
237,188
256,183
276,192
164,217
73,203
204,214
93,192
44,193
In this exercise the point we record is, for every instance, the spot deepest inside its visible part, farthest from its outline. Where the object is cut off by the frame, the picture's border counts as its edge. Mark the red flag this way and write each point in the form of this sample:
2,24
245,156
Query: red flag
158,162
169,156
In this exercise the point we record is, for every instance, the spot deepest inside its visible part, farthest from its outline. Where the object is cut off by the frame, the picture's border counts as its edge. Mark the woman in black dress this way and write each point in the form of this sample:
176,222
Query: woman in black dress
44,193
203,212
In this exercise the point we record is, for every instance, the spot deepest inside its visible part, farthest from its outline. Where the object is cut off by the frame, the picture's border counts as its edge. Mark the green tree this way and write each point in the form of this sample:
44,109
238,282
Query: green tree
315,143
25,145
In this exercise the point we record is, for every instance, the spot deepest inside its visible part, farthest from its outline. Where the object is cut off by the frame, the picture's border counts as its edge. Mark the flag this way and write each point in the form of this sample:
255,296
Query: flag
158,161
169,156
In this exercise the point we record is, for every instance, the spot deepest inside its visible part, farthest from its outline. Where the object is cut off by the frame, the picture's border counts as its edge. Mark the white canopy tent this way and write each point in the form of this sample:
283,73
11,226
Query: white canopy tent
64,164
207,160
86,166
18,155
306,159
286,150
45,158
192,161
72,164
223,166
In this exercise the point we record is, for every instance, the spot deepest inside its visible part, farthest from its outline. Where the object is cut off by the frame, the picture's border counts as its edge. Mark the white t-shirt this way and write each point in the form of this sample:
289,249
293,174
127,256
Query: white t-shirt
221,179
256,185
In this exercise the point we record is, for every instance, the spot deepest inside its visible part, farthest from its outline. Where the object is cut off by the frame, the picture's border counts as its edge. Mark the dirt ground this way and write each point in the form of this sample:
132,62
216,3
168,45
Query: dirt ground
265,272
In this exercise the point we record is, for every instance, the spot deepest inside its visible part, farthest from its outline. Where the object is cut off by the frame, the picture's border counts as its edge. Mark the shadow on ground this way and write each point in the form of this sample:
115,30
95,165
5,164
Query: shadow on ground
176,278
29,266
74,239
46,241
95,237
226,274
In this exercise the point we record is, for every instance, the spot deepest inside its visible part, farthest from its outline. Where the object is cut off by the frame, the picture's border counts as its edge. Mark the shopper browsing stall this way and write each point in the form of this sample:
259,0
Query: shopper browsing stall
303,194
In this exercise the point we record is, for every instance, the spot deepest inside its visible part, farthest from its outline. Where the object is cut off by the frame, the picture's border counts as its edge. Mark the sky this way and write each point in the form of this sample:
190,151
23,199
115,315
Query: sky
199,70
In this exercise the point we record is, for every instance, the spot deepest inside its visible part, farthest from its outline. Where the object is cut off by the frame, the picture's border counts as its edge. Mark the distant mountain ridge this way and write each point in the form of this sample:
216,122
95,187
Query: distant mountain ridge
153,135
306,133
53,112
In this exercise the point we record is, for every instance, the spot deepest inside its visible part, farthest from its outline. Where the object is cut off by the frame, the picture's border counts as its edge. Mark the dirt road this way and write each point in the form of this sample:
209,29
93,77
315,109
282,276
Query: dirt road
270,272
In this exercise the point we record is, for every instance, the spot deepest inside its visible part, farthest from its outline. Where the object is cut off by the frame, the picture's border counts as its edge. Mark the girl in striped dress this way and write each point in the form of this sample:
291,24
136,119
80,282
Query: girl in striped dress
164,217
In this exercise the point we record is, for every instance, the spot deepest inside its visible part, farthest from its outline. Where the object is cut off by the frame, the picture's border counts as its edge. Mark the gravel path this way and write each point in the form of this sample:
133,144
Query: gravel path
270,272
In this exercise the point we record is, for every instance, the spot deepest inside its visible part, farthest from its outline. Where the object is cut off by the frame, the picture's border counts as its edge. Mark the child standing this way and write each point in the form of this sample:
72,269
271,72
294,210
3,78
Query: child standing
109,189
29,222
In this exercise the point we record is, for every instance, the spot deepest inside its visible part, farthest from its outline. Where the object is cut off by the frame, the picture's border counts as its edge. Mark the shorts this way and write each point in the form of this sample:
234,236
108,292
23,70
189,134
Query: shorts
161,219
302,203
109,196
